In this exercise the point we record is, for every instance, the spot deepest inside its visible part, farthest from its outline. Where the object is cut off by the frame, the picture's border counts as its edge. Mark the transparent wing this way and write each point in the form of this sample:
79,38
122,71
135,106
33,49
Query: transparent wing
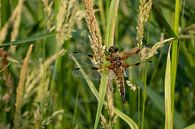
85,59
90,73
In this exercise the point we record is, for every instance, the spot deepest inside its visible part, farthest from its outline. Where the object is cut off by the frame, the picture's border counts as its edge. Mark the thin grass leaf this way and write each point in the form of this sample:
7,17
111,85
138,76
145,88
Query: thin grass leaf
127,119
168,97
20,89
29,40
175,53
111,23
102,14
102,93
192,126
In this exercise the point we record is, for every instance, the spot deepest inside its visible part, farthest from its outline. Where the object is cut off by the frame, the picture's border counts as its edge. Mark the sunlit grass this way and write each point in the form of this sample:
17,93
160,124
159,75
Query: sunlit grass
37,89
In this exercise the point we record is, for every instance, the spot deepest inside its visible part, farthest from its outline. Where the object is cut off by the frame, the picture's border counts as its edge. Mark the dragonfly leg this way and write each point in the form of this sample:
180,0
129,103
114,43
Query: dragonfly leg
139,63
136,64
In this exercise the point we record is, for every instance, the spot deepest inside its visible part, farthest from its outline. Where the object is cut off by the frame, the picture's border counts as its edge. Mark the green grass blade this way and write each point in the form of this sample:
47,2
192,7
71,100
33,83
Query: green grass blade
102,15
29,40
168,97
102,93
127,119
192,126
144,94
111,23
175,53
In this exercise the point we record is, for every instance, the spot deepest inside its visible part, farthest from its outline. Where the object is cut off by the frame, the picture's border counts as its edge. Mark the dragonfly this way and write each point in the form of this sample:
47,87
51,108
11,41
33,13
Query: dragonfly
117,67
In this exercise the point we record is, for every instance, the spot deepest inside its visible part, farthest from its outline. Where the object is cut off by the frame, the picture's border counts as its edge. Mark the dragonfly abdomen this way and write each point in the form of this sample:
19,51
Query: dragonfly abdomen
120,81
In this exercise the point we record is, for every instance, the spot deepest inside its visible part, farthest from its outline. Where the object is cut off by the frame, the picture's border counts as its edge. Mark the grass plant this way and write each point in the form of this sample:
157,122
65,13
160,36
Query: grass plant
38,90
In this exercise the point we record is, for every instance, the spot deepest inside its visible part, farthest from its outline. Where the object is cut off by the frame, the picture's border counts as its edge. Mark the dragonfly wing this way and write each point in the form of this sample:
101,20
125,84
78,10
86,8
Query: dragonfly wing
85,59
111,75
91,73
88,73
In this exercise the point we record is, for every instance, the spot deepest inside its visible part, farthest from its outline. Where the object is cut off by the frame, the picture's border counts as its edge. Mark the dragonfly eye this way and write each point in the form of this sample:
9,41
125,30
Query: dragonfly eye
113,49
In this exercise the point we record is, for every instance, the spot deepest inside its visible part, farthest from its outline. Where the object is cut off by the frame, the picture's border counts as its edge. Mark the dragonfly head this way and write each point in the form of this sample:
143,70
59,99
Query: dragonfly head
112,49
117,58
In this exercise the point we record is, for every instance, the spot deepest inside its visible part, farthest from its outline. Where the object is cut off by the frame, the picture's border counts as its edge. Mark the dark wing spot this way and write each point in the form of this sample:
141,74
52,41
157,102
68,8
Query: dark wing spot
137,64
137,51
89,55
94,68
76,68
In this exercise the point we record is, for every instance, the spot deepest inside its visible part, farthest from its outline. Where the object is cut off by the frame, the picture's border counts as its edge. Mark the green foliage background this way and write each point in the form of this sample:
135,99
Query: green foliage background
67,102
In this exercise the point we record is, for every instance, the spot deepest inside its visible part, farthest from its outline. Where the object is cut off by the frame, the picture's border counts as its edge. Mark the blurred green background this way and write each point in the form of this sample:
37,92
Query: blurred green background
54,99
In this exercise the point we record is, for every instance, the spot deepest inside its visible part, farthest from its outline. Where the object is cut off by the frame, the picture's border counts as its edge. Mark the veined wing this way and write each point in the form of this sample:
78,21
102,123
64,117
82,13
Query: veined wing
85,59
91,73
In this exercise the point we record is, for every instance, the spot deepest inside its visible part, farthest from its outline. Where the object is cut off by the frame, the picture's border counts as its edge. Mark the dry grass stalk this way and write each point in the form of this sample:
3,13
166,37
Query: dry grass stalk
110,100
60,26
69,14
42,101
16,23
104,122
48,12
41,117
14,20
3,59
132,86
95,36
144,12
4,63
43,87
147,53
21,88
107,124
53,116
35,76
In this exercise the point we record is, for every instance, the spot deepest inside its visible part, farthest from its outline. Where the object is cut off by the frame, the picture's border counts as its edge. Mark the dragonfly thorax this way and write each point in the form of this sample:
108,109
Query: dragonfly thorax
117,63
